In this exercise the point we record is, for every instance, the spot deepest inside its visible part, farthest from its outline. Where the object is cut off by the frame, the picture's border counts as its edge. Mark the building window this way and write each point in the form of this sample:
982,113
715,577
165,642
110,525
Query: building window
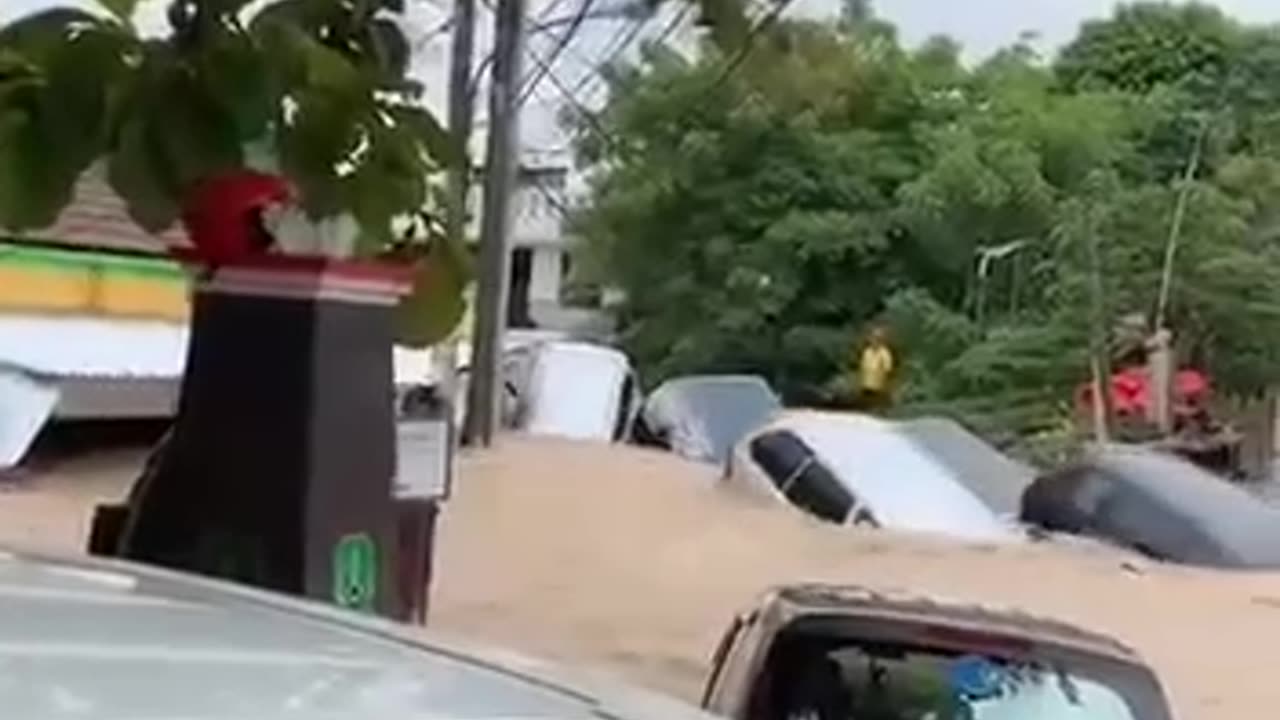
518,315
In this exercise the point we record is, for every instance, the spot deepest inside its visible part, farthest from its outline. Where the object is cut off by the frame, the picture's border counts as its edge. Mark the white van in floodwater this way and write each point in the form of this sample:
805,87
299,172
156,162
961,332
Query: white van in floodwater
580,391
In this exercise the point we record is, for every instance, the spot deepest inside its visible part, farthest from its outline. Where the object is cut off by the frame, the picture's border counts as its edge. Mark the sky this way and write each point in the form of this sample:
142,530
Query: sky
981,26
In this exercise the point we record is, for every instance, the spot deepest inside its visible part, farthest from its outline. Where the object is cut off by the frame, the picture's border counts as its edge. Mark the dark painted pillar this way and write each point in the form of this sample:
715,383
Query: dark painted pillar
279,469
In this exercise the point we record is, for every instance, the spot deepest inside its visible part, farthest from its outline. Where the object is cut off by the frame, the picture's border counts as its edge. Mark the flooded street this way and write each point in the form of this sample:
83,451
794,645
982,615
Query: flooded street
634,561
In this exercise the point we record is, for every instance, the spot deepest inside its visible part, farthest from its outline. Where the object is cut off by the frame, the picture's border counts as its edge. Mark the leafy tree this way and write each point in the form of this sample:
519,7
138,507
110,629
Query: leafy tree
317,87
771,198
1148,44
760,220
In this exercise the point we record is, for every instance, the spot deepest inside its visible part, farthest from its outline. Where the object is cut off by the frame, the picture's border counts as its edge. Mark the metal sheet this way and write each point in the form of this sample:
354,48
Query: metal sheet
90,398
87,346
25,406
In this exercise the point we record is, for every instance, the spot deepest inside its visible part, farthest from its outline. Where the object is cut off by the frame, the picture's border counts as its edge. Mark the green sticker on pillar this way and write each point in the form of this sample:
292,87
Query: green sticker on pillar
355,572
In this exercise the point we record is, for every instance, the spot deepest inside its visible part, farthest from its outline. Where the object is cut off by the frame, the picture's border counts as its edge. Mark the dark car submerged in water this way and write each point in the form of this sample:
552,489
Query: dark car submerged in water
1157,504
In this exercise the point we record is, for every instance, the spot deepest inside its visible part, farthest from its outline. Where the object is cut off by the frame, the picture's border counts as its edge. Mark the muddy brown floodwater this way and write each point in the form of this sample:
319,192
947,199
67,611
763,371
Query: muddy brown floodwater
634,561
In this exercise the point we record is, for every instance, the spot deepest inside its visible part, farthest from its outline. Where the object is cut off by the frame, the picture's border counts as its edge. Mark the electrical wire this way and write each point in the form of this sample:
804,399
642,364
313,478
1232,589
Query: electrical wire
571,99
567,37
625,34
775,13
535,27
730,68
545,69
631,34
733,65
556,203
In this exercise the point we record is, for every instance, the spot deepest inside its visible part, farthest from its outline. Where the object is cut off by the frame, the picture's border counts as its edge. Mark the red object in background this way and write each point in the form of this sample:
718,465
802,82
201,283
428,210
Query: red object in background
223,215
1131,391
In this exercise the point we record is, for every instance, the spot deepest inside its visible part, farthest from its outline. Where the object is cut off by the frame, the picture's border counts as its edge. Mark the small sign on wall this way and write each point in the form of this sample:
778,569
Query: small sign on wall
424,459
424,445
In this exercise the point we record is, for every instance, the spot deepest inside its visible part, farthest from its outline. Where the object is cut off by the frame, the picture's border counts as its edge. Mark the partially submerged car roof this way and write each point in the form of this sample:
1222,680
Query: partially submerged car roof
800,599
996,478
102,640
703,416
904,486
1244,526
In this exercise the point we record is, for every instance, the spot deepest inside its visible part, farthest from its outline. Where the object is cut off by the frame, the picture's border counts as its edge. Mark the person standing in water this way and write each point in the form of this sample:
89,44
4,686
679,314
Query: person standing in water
875,373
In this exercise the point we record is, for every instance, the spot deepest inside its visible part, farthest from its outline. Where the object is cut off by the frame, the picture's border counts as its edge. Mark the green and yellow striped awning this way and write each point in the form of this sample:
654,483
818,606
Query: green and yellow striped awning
42,279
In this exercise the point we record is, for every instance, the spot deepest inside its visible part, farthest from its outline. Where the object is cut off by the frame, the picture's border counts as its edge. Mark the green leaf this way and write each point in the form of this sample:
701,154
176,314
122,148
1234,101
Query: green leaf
438,300
138,173
198,137
17,78
302,61
232,72
36,180
436,140
80,79
389,181
35,35
227,6
57,70
122,9
323,132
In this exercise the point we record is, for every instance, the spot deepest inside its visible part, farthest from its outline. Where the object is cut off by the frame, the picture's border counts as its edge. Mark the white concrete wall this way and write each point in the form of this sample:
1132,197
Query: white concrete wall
537,220
537,214
545,280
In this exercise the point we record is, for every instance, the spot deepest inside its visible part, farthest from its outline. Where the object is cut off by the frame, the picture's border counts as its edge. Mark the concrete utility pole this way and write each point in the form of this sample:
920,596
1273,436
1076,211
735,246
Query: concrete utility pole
501,163
461,112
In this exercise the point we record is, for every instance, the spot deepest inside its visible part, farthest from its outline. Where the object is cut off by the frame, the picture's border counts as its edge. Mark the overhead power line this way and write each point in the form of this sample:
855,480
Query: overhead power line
618,48
769,20
585,112
734,63
537,27
567,37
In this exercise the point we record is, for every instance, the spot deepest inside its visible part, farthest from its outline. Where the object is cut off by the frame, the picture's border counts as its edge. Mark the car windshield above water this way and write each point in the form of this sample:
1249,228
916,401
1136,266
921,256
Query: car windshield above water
700,417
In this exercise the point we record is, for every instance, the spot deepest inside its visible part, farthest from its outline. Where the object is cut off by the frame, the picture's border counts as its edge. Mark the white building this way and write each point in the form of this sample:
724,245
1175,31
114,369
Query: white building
541,249
539,253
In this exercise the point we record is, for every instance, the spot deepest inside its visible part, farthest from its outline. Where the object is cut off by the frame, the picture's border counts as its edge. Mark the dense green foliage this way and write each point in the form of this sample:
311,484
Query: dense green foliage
760,220
320,83
315,89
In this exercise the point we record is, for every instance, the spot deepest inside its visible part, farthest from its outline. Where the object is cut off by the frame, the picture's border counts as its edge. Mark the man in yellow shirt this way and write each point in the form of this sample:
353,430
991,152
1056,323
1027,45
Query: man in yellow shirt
875,373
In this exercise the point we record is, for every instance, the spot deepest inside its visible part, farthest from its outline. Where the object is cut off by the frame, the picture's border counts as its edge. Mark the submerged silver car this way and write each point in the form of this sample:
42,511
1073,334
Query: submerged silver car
102,640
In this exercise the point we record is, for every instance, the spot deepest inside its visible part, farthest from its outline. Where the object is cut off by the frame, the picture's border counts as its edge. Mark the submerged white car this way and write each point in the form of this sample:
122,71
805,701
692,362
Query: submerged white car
580,391
101,640
854,469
